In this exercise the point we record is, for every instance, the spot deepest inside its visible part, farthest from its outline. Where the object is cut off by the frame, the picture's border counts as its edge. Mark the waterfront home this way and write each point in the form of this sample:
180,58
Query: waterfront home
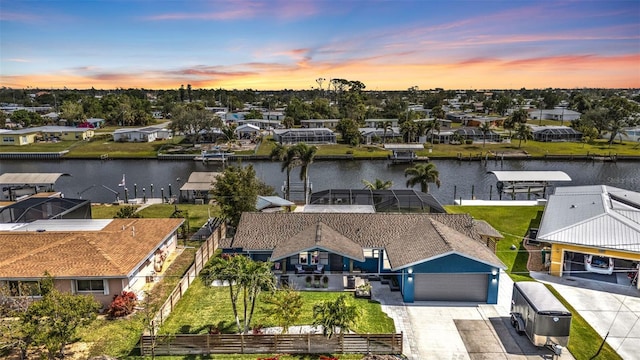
433,257
309,136
476,135
368,134
144,134
47,133
261,123
247,131
376,123
555,133
91,257
596,220
391,200
45,206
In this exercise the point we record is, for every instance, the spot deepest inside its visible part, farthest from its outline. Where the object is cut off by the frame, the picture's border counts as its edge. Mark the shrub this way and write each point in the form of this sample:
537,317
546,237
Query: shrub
122,304
436,142
468,141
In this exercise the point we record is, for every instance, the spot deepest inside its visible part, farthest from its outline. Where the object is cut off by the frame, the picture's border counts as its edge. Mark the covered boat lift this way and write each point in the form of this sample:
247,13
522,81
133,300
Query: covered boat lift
404,153
528,182
16,185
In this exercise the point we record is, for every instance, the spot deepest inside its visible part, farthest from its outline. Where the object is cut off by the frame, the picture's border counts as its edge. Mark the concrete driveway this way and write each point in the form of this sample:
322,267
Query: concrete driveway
606,307
460,331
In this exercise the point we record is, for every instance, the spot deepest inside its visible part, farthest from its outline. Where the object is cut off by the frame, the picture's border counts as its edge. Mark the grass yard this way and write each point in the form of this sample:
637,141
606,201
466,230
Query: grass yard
513,223
198,214
98,147
203,307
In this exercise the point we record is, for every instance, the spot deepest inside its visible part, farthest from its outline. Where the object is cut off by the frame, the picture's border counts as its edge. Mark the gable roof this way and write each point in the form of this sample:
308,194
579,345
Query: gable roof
114,251
318,236
598,216
408,238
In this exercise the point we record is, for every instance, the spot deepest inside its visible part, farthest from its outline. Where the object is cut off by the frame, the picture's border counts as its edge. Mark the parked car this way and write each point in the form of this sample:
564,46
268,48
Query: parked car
598,264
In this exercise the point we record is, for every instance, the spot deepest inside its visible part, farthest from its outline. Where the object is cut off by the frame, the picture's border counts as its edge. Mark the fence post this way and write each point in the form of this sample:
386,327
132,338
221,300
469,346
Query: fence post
242,343
368,343
308,342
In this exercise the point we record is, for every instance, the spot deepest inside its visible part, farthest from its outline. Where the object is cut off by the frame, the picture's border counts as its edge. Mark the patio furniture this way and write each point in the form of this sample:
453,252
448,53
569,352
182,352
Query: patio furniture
299,269
319,269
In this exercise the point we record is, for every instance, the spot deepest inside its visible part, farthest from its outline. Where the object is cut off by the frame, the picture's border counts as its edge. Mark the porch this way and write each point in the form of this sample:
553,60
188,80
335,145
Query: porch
321,282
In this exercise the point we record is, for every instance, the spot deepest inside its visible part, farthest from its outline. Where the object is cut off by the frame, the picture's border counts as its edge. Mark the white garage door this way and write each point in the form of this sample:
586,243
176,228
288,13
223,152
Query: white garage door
451,287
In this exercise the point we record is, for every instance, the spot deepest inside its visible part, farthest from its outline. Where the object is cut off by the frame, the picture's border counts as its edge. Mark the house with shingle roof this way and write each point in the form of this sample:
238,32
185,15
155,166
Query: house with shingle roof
93,257
437,257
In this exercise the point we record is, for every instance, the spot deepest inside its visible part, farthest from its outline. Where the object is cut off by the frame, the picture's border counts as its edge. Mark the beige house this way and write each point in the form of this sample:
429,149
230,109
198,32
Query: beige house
49,133
95,257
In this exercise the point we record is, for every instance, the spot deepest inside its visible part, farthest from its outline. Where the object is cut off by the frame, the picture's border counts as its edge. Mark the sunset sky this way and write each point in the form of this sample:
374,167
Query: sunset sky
272,45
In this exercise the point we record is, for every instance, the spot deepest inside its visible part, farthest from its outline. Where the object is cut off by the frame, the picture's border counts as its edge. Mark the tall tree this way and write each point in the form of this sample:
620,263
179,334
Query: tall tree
485,128
246,280
408,130
423,174
305,154
523,132
616,127
287,155
385,126
348,128
236,191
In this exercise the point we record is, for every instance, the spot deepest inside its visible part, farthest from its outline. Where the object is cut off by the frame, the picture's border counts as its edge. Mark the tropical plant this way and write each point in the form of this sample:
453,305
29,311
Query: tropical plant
236,191
616,127
385,126
523,132
305,155
408,130
485,128
519,116
423,174
284,307
335,315
246,278
377,184
54,319
287,156
433,126
127,212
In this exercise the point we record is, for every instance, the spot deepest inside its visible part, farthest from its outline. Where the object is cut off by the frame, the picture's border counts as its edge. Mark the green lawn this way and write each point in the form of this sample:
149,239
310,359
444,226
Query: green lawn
198,214
204,306
513,223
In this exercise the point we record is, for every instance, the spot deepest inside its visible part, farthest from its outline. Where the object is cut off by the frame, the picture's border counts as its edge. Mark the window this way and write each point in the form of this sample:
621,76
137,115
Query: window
371,253
90,286
24,288
302,258
8,139
385,261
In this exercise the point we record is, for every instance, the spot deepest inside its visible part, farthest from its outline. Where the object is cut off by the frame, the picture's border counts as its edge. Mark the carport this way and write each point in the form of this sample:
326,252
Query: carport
597,220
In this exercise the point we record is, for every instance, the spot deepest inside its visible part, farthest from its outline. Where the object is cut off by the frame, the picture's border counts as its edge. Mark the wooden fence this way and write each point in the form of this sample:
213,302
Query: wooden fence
204,253
187,344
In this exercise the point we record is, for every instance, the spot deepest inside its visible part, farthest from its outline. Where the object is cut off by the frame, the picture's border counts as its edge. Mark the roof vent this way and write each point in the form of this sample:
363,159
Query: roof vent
573,207
41,230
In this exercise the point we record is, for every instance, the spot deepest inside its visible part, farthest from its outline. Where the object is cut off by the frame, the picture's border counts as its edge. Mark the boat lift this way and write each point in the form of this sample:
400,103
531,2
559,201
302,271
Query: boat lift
527,182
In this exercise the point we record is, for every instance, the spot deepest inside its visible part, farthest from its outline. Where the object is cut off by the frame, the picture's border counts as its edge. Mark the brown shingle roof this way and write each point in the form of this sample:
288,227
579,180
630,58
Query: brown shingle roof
319,236
115,251
484,228
408,238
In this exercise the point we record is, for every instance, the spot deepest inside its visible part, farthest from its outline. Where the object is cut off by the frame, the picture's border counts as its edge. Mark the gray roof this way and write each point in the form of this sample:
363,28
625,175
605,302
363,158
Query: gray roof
30,178
540,297
408,238
484,228
62,225
596,216
202,181
311,208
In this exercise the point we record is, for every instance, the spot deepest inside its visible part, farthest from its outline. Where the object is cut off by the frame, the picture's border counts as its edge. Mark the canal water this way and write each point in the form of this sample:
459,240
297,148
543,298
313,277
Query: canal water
98,180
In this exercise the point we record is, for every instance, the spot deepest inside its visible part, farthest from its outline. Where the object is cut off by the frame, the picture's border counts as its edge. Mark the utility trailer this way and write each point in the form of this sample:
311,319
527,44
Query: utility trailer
536,312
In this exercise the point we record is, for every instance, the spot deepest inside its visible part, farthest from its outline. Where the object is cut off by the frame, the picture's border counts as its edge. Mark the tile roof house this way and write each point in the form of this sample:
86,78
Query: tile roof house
433,256
598,219
96,257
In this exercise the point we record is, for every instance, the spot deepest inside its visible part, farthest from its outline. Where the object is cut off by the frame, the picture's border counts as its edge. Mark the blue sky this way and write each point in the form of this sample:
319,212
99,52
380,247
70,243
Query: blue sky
388,45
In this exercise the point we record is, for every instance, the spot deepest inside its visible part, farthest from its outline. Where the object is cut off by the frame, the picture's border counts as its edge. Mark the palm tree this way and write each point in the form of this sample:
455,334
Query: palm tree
433,126
408,129
616,127
378,184
423,174
485,128
334,315
523,132
287,156
305,155
386,126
